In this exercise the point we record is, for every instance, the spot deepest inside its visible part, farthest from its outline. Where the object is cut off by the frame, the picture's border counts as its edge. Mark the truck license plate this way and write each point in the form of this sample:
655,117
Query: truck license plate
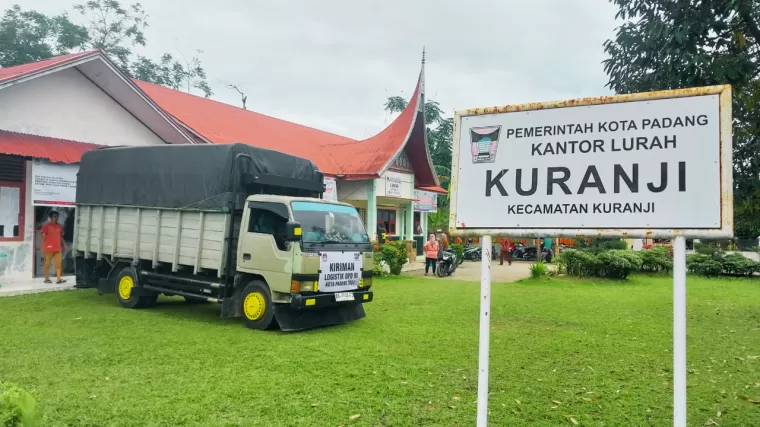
344,296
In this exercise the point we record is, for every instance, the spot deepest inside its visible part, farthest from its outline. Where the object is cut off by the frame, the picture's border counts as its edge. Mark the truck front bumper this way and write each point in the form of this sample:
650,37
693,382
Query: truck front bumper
317,300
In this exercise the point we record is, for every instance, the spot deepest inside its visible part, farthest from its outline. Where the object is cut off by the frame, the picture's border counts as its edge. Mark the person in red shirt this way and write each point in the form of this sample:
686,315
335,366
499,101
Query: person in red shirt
52,241
506,251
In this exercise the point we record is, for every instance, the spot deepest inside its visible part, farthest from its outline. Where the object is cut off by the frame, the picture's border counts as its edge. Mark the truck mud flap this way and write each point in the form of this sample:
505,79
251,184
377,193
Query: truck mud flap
293,320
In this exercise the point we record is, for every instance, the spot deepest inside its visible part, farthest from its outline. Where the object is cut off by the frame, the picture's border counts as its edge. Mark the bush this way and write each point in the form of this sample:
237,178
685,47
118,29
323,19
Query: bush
395,254
719,263
597,245
615,265
656,260
577,263
704,265
538,270
460,250
17,407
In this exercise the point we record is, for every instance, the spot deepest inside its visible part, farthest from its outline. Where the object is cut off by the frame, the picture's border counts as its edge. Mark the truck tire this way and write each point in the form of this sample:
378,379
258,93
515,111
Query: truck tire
256,305
126,294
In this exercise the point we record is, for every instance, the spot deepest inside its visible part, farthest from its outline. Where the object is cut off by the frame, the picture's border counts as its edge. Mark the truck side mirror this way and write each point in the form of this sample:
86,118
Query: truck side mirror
293,231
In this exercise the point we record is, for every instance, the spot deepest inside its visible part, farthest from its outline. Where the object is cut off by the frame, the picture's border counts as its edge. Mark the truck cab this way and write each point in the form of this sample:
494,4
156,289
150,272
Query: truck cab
314,257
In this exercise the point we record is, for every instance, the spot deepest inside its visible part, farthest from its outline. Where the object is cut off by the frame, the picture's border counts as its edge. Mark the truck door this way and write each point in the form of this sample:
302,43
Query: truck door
262,248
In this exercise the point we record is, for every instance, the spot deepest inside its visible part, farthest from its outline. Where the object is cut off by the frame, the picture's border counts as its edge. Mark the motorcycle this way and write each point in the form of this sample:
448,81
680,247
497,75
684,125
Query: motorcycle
525,253
447,263
472,253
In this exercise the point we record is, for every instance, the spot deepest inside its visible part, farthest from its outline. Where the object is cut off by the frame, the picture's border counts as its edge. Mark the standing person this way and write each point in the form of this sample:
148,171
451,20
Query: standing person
506,251
52,241
431,253
444,241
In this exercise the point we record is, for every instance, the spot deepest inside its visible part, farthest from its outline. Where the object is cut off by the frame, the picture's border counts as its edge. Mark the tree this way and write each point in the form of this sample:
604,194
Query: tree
669,44
27,36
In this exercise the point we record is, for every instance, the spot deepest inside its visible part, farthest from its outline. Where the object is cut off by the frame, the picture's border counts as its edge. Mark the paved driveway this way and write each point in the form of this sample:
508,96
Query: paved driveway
470,271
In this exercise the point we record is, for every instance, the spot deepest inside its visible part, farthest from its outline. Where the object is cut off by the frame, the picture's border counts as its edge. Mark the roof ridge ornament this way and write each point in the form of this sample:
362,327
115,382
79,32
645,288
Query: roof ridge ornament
423,54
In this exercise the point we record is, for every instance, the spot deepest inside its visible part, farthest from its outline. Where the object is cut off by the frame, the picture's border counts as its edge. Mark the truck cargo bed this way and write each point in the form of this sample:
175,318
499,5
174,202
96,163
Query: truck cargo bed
188,240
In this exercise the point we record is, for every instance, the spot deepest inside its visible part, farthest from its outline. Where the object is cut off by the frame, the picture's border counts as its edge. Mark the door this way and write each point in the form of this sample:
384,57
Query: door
262,248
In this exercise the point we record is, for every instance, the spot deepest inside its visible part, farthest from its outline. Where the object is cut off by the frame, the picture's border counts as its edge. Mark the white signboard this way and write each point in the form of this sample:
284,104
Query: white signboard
331,190
393,187
53,184
639,165
339,271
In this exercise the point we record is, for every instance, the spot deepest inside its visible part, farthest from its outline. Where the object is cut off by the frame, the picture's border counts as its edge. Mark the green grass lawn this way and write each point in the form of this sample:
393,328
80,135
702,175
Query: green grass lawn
597,353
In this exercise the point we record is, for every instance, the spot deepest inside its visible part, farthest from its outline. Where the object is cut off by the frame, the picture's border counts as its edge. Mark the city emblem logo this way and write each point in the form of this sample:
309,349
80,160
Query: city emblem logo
324,257
484,142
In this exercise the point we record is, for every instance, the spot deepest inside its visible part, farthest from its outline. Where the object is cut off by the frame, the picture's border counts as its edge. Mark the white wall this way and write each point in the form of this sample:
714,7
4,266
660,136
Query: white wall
407,185
19,260
67,105
352,190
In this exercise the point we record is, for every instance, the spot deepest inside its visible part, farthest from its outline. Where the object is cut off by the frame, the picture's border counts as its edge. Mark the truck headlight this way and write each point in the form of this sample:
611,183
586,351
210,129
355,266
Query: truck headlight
308,286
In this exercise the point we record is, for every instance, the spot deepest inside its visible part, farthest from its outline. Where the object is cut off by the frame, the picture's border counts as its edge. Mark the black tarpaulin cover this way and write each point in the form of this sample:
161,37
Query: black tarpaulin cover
180,176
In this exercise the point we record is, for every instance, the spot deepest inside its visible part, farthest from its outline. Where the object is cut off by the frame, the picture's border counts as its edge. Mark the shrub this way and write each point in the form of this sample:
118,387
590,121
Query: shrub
656,260
738,264
460,250
17,407
613,265
577,263
538,270
705,249
704,265
395,254
599,244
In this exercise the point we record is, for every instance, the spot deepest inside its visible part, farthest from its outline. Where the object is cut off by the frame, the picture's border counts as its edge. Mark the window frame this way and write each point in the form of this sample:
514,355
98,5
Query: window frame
21,207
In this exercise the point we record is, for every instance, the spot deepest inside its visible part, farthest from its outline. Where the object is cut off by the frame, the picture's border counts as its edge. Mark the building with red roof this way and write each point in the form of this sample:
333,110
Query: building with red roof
52,111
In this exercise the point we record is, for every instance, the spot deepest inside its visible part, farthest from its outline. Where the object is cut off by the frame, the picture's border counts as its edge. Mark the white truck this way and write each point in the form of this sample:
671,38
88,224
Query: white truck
231,224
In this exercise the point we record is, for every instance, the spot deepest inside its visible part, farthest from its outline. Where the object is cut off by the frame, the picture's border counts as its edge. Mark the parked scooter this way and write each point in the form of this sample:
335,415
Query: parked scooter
472,252
447,263
528,253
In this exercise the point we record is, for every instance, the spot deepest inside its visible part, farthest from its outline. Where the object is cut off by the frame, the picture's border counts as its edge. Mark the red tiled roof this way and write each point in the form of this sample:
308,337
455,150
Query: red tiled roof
334,154
435,189
22,70
222,123
42,147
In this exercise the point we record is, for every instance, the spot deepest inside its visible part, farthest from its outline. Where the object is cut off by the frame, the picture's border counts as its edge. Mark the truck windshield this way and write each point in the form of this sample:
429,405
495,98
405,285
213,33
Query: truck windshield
328,223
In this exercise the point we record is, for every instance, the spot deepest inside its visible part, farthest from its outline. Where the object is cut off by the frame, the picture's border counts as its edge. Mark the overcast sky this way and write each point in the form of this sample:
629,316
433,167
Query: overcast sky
330,64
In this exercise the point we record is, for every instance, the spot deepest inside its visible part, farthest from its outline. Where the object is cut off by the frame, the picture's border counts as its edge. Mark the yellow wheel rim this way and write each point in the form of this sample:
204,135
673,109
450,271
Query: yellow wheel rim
254,306
125,287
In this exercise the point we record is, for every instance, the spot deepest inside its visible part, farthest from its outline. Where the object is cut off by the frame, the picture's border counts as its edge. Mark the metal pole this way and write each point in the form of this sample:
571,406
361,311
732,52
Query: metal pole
679,332
485,329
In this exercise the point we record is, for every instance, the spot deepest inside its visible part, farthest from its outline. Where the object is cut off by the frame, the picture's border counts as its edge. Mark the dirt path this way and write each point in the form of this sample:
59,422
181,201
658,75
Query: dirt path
470,271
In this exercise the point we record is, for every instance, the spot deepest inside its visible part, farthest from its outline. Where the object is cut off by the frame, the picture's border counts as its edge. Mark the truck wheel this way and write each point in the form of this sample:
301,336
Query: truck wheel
256,305
127,295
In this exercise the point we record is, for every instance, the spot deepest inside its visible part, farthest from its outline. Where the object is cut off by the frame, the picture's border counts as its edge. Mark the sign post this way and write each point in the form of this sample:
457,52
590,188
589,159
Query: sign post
648,165
485,329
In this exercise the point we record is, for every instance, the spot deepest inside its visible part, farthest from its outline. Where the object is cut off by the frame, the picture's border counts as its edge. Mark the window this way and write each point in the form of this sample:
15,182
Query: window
387,219
329,223
12,198
271,219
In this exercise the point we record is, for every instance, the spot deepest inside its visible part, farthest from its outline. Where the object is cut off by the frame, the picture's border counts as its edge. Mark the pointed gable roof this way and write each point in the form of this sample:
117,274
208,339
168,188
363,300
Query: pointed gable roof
104,74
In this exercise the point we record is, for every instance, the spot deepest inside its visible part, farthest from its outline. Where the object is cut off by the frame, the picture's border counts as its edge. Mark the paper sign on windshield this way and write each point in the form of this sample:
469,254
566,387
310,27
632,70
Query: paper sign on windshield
339,271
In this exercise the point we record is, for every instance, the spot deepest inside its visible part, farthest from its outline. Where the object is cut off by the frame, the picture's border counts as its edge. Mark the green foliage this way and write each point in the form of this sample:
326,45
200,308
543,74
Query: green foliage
599,244
17,407
718,263
395,254
612,264
28,36
667,44
459,250
656,260
538,270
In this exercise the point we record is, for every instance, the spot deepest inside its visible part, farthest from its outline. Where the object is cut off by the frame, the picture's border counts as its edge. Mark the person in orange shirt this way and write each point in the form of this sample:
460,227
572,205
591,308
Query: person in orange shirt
52,241
431,253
